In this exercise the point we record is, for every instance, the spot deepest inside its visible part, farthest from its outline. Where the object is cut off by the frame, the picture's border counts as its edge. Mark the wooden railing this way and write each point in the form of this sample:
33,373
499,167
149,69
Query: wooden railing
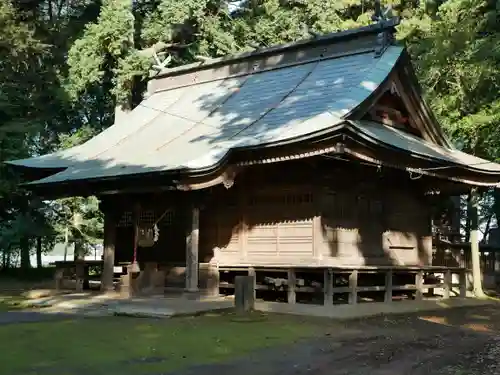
82,272
424,279
457,257
388,282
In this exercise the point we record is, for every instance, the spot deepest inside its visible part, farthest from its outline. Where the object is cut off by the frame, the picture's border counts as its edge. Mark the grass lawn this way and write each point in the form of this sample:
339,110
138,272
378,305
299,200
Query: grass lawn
138,346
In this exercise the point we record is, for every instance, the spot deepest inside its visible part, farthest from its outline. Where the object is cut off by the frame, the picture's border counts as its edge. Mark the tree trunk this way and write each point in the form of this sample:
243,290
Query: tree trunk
487,229
39,252
468,221
25,254
79,251
108,251
472,210
5,264
9,258
496,204
456,218
79,265
66,243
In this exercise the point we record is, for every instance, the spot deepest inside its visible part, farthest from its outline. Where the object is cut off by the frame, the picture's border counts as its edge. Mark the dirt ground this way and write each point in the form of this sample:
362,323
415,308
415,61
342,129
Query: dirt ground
462,341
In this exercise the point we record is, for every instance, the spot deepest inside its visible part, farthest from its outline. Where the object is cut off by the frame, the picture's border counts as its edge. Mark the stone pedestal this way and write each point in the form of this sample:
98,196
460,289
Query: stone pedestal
129,283
59,278
213,280
244,298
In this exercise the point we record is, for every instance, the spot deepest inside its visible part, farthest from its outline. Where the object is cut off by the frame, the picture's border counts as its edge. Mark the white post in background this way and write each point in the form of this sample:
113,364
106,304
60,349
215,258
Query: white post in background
472,209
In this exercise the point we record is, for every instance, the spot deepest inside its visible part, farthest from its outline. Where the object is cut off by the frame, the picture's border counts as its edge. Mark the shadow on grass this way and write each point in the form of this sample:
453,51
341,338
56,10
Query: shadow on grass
135,346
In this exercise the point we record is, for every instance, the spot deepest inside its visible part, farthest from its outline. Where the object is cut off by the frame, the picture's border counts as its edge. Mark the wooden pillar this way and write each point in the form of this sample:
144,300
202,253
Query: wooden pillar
419,283
328,287
463,283
192,240
353,287
79,265
472,211
134,267
388,286
291,285
448,280
109,250
251,272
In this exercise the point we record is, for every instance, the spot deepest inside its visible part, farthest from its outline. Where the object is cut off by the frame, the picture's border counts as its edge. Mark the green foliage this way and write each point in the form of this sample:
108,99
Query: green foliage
456,51
77,219
21,55
105,46
82,220
457,55
35,110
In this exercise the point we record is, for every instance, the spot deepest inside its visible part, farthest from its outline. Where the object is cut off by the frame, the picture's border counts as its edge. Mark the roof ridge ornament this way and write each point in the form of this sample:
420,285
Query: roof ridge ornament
382,17
203,59
159,53
310,31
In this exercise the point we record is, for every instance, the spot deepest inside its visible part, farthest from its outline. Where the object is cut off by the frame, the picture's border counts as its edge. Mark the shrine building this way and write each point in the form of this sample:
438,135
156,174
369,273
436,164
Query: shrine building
317,155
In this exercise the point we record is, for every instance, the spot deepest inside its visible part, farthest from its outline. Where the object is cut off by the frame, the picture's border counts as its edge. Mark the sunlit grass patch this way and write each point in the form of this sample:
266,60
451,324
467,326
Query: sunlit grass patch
136,346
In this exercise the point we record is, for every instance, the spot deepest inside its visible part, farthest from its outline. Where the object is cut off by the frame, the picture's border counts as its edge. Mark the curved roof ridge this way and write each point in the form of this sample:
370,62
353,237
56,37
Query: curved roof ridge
330,38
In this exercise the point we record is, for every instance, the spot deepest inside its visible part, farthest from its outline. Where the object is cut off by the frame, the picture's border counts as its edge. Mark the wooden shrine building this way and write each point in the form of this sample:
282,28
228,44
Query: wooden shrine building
317,154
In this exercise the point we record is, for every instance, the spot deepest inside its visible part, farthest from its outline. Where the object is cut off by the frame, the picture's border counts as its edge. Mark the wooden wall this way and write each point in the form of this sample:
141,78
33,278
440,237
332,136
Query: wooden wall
307,212
321,223
375,227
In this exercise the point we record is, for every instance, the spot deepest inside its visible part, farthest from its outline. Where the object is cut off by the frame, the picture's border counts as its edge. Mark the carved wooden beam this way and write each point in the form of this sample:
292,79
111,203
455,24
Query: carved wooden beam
388,115
226,178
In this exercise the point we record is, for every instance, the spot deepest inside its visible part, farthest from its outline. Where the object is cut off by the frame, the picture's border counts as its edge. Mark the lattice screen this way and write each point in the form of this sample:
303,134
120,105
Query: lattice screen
289,199
167,219
147,218
344,204
125,220
369,205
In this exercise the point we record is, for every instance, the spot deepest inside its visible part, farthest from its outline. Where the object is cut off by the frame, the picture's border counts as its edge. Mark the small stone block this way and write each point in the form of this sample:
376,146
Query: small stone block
125,289
59,278
213,280
244,298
